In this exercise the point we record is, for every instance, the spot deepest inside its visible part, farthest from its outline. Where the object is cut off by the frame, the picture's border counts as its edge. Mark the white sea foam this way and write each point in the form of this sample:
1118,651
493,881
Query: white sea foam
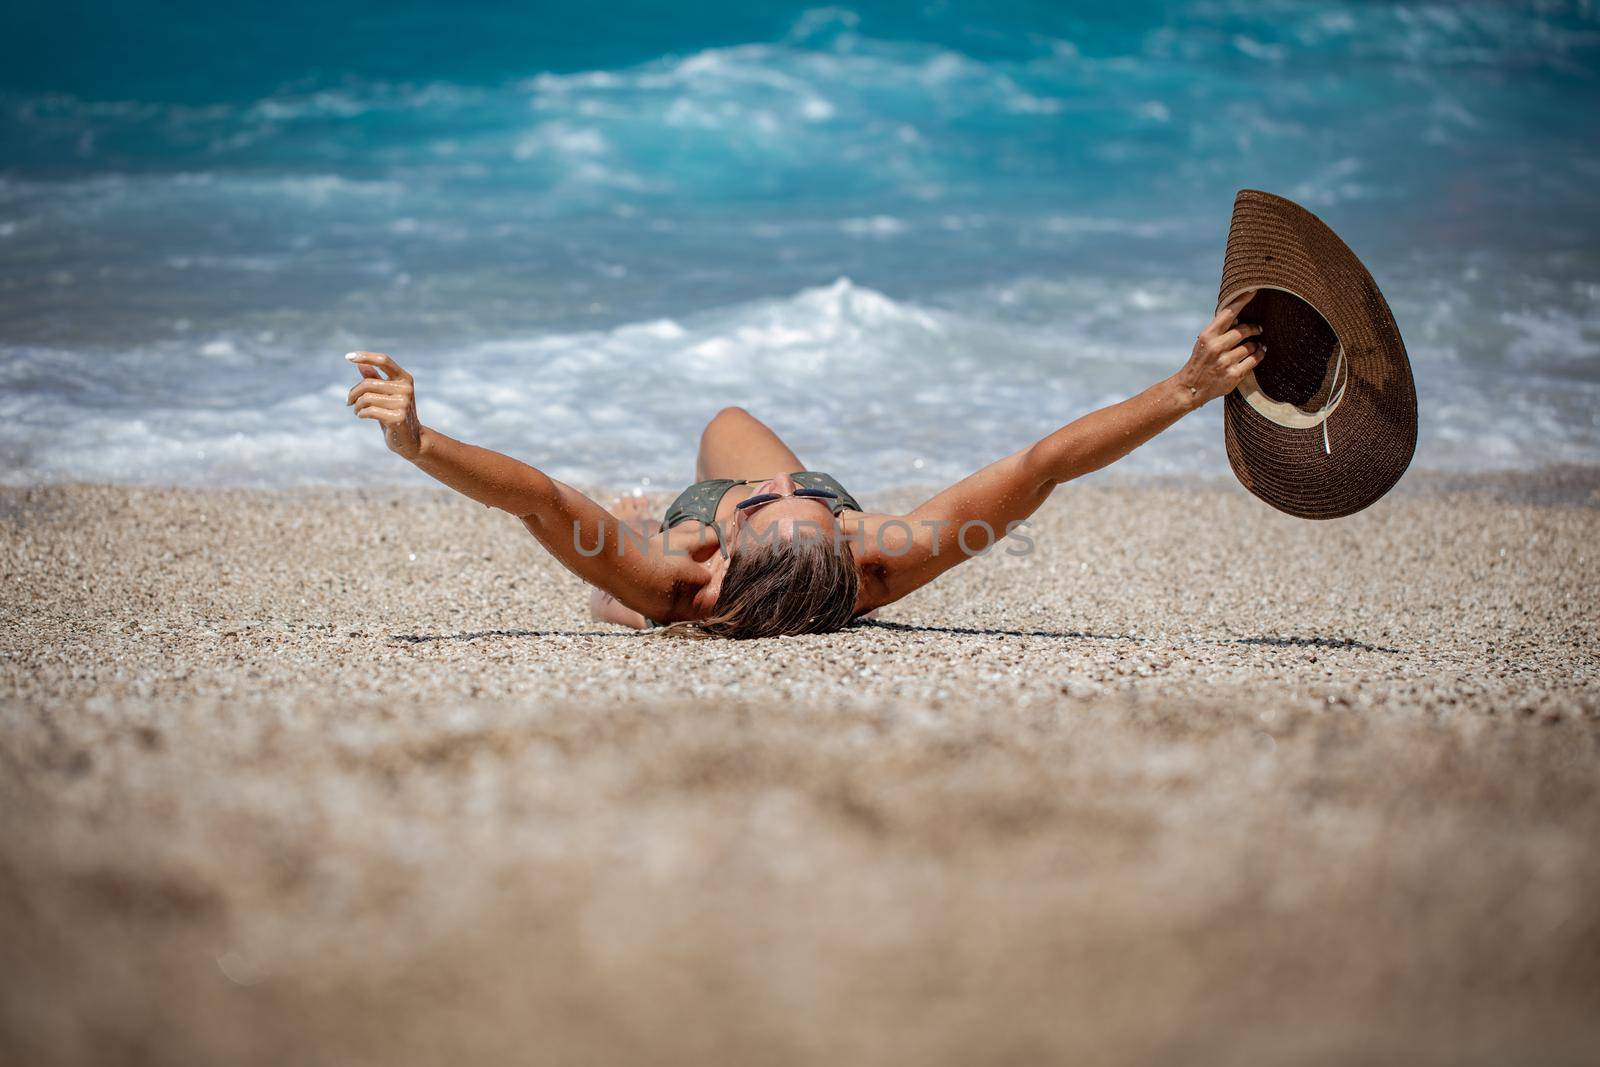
879,390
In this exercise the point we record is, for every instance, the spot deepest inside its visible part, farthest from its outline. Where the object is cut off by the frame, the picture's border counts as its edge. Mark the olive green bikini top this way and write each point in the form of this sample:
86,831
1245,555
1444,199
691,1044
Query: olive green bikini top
699,501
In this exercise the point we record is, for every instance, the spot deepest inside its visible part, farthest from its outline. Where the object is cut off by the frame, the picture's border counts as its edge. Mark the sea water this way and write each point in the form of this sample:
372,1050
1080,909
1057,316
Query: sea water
912,238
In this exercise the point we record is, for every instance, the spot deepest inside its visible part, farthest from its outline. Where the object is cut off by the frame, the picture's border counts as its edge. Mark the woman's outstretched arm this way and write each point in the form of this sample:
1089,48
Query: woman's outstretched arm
583,535
964,519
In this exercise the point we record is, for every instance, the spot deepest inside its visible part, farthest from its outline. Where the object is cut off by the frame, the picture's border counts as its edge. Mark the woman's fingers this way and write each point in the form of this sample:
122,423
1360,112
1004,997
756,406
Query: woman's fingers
377,400
1246,365
395,372
376,385
383,400
386,401
1251,353
385,404
1234,337
1229,312
1224,352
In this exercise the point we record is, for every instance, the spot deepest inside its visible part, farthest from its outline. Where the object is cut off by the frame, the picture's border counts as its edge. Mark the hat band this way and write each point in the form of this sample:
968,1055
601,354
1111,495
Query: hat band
1281,412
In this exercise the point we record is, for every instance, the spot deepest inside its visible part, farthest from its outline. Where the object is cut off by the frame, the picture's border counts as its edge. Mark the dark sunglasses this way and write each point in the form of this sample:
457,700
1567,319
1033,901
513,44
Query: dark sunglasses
767,498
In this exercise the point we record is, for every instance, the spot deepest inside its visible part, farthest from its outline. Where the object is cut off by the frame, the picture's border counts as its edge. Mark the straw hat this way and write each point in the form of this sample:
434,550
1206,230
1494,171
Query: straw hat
1327,422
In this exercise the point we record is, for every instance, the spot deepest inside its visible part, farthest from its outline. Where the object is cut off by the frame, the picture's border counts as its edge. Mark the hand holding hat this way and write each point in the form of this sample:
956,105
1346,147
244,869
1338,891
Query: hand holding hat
1224,353
1327,422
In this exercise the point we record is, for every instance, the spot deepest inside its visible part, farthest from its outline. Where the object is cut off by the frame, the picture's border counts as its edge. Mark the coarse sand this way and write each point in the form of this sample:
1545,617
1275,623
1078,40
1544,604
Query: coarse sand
348,777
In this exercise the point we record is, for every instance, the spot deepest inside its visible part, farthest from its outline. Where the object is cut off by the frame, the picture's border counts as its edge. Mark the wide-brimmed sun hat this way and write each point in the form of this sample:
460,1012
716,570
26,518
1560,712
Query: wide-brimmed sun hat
1327,422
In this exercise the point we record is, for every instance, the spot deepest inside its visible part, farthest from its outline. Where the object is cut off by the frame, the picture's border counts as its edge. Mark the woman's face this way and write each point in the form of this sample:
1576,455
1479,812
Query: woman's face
784,519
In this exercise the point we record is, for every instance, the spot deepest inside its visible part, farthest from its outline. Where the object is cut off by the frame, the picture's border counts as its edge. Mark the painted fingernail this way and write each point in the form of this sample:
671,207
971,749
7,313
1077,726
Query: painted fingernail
351,356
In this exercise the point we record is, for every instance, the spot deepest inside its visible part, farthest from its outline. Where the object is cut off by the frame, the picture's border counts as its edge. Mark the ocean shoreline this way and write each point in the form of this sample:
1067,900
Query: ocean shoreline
1544,483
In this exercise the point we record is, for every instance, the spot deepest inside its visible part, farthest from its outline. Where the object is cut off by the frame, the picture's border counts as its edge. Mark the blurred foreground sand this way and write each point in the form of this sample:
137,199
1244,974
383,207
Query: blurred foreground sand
332,777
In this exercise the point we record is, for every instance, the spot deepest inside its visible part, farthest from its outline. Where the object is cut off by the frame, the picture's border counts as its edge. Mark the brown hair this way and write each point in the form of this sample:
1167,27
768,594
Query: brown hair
779,588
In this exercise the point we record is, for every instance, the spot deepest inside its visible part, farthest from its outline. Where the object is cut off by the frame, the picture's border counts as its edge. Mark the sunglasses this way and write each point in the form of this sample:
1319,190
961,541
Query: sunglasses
767,498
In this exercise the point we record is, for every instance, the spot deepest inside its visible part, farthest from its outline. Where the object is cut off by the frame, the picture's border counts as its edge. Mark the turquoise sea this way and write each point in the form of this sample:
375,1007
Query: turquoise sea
911,236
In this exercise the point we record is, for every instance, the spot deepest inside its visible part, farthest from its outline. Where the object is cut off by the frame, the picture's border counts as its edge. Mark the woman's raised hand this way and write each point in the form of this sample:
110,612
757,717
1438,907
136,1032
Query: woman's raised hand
1223,354
390,401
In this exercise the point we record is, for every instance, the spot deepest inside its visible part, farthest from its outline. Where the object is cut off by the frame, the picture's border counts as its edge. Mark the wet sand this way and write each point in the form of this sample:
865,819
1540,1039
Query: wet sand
348,777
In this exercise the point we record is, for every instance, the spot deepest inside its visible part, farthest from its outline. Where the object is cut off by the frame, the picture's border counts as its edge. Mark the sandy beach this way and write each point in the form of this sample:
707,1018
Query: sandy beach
324,776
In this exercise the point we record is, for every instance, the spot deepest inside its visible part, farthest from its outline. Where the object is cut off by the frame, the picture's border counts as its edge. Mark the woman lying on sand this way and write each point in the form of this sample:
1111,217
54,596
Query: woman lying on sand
791,552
